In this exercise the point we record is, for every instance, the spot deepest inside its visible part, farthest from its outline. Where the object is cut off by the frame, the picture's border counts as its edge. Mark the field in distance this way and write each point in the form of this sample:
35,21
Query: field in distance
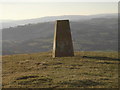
40,70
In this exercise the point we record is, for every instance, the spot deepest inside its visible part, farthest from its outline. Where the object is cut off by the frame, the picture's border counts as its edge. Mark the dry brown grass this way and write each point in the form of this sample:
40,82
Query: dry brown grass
40,70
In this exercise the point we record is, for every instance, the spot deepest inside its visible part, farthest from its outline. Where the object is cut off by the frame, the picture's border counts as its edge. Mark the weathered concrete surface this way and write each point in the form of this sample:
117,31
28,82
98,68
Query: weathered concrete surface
62,45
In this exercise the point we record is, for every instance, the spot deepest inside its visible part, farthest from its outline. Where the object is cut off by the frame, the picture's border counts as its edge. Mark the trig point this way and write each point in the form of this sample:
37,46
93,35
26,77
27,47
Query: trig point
62,45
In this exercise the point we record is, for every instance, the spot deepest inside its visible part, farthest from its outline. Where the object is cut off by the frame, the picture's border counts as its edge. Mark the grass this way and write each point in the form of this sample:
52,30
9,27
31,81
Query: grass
40,70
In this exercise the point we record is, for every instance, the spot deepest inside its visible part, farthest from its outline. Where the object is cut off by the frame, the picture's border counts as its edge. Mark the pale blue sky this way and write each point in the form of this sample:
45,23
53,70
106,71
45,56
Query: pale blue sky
19,11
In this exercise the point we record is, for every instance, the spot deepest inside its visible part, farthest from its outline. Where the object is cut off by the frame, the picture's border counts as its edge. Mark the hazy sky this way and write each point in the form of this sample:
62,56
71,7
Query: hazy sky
17,11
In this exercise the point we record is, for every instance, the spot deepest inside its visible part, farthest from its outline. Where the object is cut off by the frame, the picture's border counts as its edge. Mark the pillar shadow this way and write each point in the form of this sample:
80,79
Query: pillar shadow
100,58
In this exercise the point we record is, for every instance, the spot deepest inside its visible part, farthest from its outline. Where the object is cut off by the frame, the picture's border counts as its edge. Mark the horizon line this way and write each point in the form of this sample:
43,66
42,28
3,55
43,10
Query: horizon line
56,16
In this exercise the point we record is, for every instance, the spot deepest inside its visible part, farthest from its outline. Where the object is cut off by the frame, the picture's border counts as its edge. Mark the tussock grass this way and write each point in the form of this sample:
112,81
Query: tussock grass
40,70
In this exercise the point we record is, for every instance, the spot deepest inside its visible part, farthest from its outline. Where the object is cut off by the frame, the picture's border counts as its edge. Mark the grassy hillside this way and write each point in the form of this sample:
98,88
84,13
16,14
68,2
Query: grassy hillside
40,70
97,34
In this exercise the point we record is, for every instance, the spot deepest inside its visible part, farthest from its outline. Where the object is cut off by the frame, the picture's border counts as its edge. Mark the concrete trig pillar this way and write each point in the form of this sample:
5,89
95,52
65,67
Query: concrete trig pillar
62,45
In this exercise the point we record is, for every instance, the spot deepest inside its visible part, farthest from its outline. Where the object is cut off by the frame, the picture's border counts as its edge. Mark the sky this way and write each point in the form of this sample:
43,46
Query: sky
29,10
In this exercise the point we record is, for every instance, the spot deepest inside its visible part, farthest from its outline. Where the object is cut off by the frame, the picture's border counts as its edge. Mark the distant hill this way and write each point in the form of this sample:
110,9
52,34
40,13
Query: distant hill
96,34
10,23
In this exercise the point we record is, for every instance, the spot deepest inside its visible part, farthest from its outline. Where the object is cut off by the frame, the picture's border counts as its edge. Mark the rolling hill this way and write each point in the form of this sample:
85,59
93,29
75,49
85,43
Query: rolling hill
13,23
96,34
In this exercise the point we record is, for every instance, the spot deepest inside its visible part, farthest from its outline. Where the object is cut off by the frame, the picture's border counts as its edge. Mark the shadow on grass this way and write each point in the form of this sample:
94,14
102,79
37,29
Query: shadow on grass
81,83
101,58
26,77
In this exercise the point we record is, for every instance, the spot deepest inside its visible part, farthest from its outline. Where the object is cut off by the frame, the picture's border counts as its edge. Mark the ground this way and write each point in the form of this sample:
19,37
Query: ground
40,70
